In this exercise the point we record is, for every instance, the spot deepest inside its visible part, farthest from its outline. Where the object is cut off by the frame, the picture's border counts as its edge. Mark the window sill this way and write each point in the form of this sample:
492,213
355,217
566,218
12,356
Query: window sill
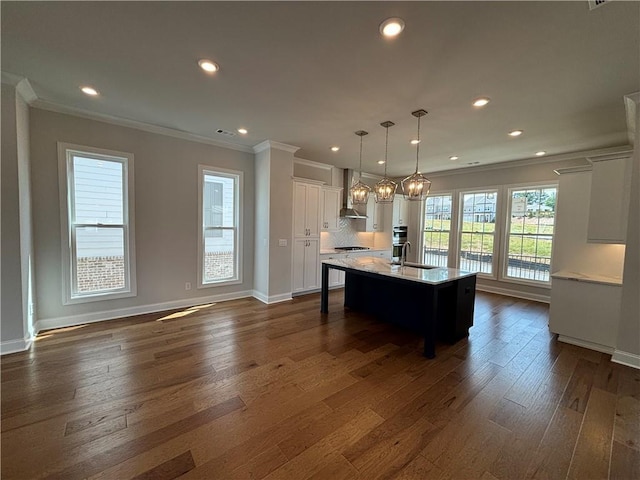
99,297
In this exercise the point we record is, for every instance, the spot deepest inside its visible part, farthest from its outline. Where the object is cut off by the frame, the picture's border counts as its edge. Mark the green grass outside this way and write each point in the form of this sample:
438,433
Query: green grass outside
436,235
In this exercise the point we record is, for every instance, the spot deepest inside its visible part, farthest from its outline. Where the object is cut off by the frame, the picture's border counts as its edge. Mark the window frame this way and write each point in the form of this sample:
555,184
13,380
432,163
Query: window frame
497,231
238,177
507,225
66,153
453,227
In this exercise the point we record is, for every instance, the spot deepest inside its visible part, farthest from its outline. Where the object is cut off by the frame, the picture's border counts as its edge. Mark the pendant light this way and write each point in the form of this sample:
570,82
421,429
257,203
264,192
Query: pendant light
385,189
416,187
360,191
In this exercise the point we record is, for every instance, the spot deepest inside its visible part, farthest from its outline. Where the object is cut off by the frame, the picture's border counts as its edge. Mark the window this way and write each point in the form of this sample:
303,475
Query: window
97,219
530,233
437,229
477,231
219,245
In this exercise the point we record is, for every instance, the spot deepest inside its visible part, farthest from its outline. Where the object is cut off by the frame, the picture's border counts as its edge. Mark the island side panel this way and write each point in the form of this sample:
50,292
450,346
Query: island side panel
324,293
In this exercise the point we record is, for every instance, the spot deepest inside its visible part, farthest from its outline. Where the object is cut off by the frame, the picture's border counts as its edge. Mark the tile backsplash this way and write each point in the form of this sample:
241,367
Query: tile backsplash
348,236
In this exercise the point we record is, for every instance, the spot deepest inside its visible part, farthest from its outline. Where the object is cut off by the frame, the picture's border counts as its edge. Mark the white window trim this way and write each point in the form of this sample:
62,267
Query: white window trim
130,290
453,224
497,233
507,223
239,195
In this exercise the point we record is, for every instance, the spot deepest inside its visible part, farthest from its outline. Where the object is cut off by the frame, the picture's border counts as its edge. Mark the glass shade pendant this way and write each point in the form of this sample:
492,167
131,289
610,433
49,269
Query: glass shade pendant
416,187
360,191
385,189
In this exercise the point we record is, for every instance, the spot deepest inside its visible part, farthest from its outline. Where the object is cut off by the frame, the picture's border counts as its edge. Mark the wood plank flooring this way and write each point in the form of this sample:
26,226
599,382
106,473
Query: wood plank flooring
242,390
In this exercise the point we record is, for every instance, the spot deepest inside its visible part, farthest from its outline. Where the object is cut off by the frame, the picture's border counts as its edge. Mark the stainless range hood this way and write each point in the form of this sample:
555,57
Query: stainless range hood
347,210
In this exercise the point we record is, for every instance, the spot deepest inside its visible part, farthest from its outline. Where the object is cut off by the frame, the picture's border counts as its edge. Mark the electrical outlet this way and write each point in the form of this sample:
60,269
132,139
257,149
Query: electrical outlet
187,286
282,242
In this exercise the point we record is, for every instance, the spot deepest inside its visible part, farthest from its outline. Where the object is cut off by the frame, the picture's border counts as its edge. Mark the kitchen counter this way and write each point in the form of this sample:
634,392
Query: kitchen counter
437,302
588,277
411,271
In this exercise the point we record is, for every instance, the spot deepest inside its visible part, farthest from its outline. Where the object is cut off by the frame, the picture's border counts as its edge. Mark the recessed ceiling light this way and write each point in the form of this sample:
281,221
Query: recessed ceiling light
242,131
540,153
380,162
481,102
208,65
453,157
515,133
89,91
415,142
335,149
392,27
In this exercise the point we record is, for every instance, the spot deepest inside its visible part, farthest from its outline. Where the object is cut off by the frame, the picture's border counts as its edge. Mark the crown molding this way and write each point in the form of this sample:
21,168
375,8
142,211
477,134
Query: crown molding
311,163
609,156
271,144
11,78
135,124
25,90
578,169
618,151
631,103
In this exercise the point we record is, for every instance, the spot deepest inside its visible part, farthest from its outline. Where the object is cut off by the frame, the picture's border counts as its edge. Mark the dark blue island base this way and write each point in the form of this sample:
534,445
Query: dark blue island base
442,311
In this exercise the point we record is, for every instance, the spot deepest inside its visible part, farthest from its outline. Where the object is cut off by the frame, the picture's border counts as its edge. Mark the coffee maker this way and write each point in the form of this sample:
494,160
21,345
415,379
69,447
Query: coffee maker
399,239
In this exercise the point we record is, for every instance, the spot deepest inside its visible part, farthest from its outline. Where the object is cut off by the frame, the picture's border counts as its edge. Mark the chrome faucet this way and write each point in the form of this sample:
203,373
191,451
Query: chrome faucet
403,255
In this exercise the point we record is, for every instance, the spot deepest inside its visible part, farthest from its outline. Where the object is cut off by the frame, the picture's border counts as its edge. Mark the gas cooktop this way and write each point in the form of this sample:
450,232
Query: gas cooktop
351,248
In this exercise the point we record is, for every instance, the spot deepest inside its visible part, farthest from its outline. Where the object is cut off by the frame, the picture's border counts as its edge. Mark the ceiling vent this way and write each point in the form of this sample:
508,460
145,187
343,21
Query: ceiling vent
597,3
225,132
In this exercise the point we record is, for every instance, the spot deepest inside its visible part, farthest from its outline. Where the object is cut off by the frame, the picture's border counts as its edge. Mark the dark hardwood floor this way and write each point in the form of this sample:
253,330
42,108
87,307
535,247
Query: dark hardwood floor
249,391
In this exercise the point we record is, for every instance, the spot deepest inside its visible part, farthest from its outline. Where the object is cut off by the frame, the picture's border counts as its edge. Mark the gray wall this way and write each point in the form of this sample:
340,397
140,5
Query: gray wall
26,225
261,241
281,222
166,215
12,306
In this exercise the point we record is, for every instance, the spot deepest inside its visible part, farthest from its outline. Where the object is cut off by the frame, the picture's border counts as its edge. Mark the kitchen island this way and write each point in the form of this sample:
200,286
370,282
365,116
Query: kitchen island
435,301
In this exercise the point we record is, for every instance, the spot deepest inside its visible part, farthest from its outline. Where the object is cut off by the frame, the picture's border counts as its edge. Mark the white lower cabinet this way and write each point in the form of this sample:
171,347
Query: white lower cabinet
306,264
585,313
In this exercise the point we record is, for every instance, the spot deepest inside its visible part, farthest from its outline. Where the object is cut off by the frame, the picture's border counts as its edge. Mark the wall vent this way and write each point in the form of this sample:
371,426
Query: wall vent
597,3
225,132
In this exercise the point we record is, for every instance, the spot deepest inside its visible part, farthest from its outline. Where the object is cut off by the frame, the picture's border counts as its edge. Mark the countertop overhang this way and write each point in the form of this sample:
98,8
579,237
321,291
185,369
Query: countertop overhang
381,266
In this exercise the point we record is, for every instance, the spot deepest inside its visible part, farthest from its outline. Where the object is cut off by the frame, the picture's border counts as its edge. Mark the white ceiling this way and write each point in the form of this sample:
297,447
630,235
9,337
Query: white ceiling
310,74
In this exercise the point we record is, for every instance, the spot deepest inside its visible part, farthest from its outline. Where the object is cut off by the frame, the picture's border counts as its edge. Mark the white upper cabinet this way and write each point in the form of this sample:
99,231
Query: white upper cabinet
609,203
375,216
400,211
306,209
331,209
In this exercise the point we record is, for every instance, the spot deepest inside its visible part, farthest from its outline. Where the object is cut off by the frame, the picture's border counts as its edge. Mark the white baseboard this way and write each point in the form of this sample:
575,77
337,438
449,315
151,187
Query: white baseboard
284,297
60,322
514,293
585,344
626,358
15,346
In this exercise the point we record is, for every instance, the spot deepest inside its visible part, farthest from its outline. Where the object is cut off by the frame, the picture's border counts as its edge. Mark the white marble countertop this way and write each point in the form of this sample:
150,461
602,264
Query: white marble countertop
381,266
587,277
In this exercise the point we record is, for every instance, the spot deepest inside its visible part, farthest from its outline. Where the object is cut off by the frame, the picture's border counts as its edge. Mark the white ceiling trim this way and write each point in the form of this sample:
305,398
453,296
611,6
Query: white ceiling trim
311,163
125,122
619,151
631,102
267,144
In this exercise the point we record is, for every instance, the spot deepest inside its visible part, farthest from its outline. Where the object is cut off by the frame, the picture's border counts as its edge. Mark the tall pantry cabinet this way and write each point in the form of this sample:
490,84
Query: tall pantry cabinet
306,236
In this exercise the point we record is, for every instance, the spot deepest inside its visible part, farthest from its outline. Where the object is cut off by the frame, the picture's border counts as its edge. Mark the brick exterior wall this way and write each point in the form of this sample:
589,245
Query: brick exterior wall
103,273
218,265
100,273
